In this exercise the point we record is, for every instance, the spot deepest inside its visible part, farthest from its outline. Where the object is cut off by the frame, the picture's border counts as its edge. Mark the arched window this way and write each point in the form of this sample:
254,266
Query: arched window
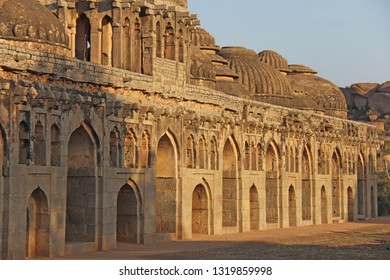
83,38
169,42
106,43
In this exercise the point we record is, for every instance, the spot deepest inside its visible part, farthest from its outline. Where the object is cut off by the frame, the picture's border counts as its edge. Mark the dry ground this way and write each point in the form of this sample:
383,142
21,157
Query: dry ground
358,240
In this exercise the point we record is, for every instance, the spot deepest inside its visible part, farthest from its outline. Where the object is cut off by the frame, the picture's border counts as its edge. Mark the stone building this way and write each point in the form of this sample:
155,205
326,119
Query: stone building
123,121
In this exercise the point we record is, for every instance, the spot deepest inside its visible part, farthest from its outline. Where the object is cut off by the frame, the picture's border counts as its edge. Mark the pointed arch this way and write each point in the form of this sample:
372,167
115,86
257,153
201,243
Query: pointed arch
181,46
83,158
351,203
200,210
145,150
166,184
130,149
83,38
254,207
37,225
39,145
202,152
129,214
361,182
292,207
324,206
253,157
190,152
106,41
137,47
307,183
247,161
272,184
213,153
229,184
170,52
158,39
336,184
127,44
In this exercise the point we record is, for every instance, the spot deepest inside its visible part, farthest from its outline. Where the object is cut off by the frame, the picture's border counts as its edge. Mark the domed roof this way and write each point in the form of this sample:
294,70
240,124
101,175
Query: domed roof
326,94
299,68
203,39
201,65
28,20
274,59
258,77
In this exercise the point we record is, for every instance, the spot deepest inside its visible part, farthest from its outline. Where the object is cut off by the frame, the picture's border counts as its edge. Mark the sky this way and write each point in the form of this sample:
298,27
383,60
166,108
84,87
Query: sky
345,41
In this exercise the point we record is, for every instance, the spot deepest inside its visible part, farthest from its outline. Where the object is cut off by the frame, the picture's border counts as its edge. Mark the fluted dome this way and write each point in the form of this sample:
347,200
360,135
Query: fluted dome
203,39
274,59
326,94
29,21
299,68
258,77
202,69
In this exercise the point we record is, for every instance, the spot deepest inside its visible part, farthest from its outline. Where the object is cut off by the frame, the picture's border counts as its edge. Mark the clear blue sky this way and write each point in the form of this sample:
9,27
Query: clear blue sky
346,41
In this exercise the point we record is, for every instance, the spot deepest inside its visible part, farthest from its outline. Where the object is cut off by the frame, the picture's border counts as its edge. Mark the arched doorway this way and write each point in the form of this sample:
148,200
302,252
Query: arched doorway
83,38
360,186
306,185
336,188
81,187
351,203
254,208
229,186
166,186
292,207
324,206
127,215
200,210
271,185
37,225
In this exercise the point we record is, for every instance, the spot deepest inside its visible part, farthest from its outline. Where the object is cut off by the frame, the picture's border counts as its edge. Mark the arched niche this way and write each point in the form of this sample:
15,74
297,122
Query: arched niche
81,186
200,210
83,38
166,185
229,185
37,225
272,184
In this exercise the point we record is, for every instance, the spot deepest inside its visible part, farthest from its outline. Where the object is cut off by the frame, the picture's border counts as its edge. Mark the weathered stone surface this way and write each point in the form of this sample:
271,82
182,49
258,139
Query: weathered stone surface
101,143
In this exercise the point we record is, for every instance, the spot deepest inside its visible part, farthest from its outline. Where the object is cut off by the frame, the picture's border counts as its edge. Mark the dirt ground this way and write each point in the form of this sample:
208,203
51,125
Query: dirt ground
368,240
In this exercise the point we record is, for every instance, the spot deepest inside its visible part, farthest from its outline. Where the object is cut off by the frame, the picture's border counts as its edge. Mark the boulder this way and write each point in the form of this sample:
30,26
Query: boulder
385,87
380,101
364,88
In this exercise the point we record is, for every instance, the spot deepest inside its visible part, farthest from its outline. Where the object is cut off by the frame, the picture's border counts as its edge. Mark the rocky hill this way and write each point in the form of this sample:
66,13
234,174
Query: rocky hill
370,102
